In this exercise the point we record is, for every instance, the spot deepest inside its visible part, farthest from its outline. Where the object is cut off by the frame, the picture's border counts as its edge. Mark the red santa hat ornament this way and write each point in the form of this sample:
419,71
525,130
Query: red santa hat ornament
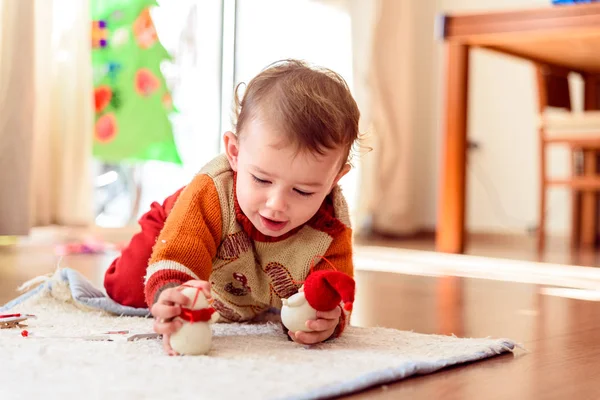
324,290
321,291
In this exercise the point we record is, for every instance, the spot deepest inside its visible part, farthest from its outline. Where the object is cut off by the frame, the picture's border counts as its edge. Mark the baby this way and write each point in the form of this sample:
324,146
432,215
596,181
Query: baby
258,219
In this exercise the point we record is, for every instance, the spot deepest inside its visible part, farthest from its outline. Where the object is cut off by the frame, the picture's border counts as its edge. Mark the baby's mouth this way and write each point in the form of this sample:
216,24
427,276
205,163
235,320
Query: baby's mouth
272,224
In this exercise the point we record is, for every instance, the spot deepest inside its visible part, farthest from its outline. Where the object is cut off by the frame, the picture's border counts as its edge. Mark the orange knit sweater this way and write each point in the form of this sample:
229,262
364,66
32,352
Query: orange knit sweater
207,237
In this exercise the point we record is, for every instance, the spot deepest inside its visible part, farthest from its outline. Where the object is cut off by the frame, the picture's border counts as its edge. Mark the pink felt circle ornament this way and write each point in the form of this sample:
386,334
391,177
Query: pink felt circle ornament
106,128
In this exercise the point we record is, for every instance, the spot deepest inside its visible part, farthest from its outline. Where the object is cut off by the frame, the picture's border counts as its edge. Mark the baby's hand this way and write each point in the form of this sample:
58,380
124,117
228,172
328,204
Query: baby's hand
323,327
169,306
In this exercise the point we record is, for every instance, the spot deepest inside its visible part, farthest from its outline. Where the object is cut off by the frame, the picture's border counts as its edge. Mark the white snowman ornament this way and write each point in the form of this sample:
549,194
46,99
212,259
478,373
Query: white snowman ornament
195,335
322,291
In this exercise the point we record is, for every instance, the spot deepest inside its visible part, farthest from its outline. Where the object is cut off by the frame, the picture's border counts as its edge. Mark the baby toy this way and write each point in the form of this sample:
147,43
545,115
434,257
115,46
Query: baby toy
322,291
195,336
8,321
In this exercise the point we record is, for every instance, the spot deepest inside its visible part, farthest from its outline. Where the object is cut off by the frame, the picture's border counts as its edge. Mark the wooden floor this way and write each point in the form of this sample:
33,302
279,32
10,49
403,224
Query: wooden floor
561,334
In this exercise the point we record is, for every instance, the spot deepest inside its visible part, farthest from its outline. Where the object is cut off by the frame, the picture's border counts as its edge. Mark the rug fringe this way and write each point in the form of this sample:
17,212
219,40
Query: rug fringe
522,347
38,280
35,282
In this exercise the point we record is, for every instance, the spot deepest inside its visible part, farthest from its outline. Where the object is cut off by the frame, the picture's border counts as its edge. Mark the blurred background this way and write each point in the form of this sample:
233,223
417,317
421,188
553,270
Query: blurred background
465,223
108,105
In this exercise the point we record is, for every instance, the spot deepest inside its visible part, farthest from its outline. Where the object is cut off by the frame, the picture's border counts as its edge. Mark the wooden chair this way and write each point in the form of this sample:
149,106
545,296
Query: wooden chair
560,125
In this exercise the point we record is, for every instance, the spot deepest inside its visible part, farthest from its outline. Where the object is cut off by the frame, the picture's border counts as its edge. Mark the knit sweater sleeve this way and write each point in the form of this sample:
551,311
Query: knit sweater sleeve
339,254
188,241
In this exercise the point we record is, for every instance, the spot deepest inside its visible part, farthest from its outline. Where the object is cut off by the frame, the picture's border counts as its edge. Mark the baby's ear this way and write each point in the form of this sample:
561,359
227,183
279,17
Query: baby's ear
232,149
345,169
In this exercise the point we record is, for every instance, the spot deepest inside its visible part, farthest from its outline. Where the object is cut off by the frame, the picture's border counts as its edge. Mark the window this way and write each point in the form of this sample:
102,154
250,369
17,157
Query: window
215,45
271,30
191,32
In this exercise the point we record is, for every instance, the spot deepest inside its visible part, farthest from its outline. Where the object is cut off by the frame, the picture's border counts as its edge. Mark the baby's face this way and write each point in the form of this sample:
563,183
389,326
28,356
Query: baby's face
279,189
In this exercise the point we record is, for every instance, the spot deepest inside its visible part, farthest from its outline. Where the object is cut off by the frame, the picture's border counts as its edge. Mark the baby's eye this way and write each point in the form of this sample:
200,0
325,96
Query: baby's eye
301,193
260,180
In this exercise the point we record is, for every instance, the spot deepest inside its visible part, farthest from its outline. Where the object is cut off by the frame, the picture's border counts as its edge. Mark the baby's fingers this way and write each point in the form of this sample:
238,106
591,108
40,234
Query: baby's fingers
320,325
165,311
310,337
167,346
166,327
173,296
333,314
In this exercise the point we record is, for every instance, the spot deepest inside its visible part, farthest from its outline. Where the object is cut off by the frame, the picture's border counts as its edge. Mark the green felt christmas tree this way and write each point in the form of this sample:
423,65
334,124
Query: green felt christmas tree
132,101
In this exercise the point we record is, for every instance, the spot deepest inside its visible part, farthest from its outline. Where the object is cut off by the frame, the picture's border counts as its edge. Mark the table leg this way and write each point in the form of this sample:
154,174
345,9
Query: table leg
451,207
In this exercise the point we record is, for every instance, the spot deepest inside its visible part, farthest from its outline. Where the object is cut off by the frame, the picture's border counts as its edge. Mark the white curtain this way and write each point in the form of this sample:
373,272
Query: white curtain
16,126
385,86
46,85
392,91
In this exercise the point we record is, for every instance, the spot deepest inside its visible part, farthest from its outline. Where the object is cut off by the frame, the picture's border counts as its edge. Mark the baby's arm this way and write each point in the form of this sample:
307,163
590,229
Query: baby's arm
340,255
189,240
183,253
331,324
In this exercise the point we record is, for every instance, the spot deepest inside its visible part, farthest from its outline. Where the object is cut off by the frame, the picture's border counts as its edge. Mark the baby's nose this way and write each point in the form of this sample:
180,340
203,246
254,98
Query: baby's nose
276,202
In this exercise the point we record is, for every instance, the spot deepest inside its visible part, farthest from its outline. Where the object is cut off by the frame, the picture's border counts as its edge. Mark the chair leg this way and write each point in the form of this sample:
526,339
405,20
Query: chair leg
541,232
575,199
541,239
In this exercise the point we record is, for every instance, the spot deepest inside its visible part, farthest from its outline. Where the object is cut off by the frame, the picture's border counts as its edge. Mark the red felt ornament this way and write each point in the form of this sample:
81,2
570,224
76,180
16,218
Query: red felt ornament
106,128
146,83
201,315
325,290
102,97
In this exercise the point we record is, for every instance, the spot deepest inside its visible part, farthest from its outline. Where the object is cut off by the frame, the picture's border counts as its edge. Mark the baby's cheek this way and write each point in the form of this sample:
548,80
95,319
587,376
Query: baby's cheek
315,206
246,194
306,213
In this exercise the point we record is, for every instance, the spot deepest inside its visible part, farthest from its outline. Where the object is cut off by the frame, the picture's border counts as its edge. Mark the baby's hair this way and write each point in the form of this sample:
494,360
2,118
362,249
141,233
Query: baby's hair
312,106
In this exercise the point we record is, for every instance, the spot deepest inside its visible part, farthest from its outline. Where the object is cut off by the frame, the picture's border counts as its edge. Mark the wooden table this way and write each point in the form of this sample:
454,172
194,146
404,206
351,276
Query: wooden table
566,36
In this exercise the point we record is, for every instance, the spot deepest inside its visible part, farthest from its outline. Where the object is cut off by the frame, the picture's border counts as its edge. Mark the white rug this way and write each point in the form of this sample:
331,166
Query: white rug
247,361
